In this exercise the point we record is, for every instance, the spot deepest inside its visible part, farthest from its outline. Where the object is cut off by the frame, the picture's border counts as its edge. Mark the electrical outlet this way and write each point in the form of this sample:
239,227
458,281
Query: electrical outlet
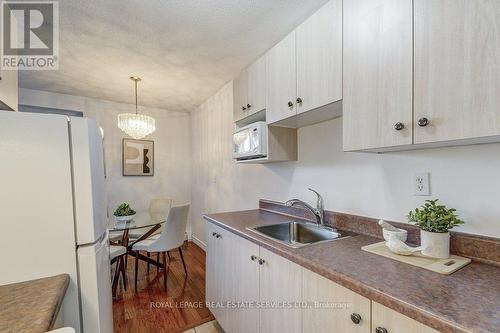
421,184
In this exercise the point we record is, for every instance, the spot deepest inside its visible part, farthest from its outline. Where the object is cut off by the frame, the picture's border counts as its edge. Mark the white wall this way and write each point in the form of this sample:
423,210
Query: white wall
172,148
379,186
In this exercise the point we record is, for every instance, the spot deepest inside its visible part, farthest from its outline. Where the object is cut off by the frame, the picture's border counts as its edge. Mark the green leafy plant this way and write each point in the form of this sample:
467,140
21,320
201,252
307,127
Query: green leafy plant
434,218
124,210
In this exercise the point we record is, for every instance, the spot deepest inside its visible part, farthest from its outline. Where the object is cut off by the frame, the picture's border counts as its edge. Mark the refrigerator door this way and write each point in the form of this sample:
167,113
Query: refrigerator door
95,287
88,180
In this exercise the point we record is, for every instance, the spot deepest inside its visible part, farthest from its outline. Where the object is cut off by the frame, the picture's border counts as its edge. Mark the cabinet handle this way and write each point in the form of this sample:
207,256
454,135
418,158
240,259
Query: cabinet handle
243,108
356,318
253,258
290,104
299,100
262,261
422,122
380,330
399,126
249,106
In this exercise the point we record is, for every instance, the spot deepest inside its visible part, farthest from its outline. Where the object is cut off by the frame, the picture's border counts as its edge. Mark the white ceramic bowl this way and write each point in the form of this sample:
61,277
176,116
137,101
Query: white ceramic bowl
124,218
401,234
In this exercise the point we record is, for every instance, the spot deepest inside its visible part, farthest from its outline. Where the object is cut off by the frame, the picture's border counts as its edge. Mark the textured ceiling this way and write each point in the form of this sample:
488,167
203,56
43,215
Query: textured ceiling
184,50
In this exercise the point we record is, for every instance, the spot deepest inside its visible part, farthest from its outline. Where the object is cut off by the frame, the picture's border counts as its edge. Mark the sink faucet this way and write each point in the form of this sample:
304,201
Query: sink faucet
318,211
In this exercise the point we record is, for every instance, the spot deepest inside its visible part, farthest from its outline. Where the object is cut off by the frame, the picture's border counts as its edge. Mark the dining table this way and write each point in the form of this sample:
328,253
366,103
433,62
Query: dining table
141,221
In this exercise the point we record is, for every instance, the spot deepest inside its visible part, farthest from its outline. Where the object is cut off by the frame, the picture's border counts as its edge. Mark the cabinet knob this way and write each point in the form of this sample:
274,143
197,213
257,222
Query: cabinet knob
214,233
399,126
299,100
249,106
243,108
290,104
218,236
356,318
380,330
262,261
422,122
253,258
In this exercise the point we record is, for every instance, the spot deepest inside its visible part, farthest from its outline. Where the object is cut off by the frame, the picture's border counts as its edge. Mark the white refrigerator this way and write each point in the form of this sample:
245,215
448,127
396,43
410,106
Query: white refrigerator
53,212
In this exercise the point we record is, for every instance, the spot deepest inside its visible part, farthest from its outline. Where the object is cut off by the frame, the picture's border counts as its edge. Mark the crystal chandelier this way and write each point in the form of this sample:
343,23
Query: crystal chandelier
136,125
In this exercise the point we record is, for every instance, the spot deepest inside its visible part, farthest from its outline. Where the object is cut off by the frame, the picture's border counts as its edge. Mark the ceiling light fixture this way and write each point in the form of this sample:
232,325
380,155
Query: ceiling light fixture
136,125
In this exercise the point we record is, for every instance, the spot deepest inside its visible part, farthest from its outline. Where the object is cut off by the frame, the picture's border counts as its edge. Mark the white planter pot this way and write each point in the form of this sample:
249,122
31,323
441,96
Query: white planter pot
435,244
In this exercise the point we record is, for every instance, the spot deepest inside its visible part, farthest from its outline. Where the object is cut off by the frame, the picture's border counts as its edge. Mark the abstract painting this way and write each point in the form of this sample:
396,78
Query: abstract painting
138,157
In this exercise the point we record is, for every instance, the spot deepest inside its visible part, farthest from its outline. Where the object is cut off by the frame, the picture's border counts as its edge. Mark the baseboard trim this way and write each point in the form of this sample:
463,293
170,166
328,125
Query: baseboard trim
198,242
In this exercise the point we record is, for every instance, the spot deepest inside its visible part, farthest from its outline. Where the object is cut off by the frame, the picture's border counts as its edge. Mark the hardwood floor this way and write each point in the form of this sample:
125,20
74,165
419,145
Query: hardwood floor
152,310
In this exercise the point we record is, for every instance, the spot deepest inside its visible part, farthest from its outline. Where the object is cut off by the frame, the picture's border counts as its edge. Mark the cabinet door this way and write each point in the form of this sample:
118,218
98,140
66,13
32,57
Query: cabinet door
240,98
280,288
244,283
8,90
319,58
377,76
257,86
336,305
457,69
395,322
281,80
218,263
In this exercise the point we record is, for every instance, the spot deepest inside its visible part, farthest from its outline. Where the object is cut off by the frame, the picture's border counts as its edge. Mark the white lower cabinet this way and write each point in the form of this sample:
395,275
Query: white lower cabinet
330,307
281,292
251,289
385,320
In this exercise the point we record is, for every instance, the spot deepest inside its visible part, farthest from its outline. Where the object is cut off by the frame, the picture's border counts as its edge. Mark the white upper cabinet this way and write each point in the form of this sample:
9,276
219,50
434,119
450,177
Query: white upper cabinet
240,96
319,58
377,83
457,69
256,78
304,70
281,80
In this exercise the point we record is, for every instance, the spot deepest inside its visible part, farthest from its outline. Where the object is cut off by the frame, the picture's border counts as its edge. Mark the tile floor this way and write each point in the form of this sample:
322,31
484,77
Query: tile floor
210,327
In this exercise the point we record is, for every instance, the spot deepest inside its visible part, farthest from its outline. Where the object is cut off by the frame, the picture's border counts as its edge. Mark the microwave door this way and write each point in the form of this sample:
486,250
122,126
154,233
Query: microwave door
242,143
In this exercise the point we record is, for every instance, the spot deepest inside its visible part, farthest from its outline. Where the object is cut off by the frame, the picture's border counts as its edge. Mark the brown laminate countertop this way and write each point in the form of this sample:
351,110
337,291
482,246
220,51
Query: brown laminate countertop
465,301
31,306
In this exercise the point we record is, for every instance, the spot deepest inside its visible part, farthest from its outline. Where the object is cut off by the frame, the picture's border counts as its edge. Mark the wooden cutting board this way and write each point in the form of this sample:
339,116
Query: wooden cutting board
441,266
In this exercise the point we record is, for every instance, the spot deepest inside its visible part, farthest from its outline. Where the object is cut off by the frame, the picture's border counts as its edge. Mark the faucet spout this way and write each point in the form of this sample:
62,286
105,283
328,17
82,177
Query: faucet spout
318,211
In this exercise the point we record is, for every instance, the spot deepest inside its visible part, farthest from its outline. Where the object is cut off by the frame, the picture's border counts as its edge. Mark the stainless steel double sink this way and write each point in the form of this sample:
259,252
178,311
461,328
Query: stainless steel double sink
297,234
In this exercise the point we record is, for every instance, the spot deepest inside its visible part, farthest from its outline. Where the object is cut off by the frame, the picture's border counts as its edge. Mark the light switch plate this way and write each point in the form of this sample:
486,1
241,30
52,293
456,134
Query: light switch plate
421,184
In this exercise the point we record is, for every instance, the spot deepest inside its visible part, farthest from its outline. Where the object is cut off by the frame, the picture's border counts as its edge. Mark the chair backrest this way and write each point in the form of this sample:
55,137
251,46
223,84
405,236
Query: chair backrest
174,230
159,208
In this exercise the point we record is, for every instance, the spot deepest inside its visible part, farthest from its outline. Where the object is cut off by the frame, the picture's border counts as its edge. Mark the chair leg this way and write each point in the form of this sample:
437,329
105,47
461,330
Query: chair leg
116,277
158,260
124,277
136,268
149,256
164,271
182,258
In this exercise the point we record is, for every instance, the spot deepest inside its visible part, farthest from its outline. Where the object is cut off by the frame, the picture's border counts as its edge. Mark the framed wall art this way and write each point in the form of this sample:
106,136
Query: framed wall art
137,157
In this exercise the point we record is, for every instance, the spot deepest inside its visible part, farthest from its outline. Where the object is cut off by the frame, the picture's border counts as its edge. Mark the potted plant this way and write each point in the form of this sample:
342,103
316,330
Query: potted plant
124,213
434,221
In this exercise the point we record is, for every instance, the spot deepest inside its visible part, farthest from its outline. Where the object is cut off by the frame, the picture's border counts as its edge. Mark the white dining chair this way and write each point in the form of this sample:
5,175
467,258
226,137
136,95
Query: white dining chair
117,253
172,237
158,211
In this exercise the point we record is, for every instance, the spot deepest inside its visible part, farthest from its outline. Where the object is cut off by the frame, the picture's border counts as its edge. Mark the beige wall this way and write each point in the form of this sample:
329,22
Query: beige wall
379,186
172,148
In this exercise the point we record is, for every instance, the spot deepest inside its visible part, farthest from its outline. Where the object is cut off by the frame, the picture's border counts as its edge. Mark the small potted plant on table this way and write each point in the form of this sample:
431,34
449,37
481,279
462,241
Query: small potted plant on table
434,221
124,213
